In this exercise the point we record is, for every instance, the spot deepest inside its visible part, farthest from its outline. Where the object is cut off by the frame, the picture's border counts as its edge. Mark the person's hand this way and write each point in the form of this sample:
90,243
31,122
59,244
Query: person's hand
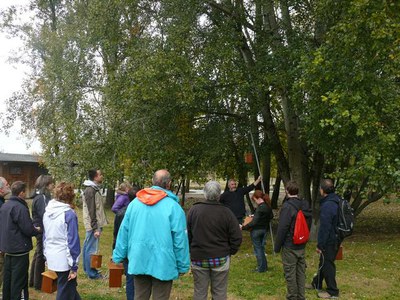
97,234
38,229
319,251
72,275
258,180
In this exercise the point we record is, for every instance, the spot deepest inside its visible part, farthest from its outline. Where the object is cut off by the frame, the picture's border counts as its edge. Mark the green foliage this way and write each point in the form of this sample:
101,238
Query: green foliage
352,81
132,86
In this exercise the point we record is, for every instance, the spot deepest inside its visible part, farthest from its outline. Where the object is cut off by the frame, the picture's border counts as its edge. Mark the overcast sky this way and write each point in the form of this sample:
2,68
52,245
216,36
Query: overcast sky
11,77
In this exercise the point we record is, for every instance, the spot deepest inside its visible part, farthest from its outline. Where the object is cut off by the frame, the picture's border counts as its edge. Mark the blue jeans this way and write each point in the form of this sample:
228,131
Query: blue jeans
130,288
258,237
90,246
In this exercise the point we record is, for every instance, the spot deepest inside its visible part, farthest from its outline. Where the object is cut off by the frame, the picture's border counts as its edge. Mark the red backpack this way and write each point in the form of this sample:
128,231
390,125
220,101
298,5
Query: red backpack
301,232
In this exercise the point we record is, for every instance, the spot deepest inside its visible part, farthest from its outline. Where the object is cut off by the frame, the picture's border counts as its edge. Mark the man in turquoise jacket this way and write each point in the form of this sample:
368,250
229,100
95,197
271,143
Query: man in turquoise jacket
153,236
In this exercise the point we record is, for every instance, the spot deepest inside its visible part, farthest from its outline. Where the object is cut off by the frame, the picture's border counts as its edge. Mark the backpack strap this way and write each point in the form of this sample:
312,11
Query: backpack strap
292,204
297,210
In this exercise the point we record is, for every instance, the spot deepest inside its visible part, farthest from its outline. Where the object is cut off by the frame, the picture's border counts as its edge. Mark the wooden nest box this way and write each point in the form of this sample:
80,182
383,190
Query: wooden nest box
116,271
49,282
95,261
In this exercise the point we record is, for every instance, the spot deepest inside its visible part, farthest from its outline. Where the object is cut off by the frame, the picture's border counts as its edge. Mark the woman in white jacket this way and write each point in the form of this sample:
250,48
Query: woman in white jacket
61,241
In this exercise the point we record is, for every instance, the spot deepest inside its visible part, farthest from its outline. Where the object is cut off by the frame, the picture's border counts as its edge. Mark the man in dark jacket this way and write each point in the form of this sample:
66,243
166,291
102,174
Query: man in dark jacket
328,243
4,190
293,256
214,235
233,198
15,242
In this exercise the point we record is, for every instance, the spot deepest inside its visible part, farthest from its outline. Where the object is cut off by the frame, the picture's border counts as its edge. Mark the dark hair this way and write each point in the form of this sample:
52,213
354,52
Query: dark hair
292,187
17,187
65,193
132,192
260,194
42,182
327,186
92,174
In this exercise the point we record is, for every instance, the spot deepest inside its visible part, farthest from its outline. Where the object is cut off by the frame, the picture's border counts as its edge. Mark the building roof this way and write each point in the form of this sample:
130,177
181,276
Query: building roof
11,157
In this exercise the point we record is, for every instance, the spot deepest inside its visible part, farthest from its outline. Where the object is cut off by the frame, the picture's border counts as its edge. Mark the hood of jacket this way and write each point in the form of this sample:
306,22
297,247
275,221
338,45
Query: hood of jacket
56,208
91,183
153,195
330,197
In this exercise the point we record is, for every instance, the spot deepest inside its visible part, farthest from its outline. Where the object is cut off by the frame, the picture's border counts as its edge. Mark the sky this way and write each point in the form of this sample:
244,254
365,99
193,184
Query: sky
11,77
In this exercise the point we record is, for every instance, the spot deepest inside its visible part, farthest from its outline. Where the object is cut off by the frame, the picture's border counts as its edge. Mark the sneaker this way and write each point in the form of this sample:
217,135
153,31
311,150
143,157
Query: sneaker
326,295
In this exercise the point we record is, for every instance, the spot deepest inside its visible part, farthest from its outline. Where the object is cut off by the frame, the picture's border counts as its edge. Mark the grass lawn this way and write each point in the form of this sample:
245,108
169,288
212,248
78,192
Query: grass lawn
369,270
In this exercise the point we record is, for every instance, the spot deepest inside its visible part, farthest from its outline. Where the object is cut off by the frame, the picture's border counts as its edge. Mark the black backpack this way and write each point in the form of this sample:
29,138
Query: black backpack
345,225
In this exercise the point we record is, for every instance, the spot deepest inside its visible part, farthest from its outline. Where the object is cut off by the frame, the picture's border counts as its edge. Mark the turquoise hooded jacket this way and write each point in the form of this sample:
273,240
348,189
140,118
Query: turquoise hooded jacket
153,236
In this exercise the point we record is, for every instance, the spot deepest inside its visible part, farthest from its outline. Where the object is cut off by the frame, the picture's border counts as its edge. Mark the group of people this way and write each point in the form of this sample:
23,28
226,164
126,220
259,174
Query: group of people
154,238
55,225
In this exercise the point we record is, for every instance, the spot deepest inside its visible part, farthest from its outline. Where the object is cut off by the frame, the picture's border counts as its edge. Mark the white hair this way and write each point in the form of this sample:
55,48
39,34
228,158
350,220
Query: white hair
2,181
212,191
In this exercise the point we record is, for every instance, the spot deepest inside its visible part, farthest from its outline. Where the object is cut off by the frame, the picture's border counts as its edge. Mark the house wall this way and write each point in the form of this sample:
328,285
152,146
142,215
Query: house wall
23,171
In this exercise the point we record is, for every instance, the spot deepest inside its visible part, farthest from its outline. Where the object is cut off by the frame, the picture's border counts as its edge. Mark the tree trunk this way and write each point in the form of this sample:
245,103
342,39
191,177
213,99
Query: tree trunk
276,191
183,191
266,172
297,154
275,143
318,165
110,196
187,186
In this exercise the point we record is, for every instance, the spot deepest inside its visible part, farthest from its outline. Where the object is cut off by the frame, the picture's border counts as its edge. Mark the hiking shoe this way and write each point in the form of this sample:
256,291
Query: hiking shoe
326,295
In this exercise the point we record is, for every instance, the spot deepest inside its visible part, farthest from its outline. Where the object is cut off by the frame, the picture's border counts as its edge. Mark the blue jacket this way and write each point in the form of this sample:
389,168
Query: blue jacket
153,236
328,220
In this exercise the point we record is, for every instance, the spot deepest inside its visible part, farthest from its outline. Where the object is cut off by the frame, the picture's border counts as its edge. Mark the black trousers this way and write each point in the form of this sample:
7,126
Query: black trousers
37,265
327,270
66,290
15,277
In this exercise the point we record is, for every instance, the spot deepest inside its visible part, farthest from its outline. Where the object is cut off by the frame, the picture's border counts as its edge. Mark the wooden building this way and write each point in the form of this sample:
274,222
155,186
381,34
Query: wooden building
23,167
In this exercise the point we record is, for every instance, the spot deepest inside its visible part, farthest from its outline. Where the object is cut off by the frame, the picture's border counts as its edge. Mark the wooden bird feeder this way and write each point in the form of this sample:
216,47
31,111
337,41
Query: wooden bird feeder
116,271
49,282
248,158
95,261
